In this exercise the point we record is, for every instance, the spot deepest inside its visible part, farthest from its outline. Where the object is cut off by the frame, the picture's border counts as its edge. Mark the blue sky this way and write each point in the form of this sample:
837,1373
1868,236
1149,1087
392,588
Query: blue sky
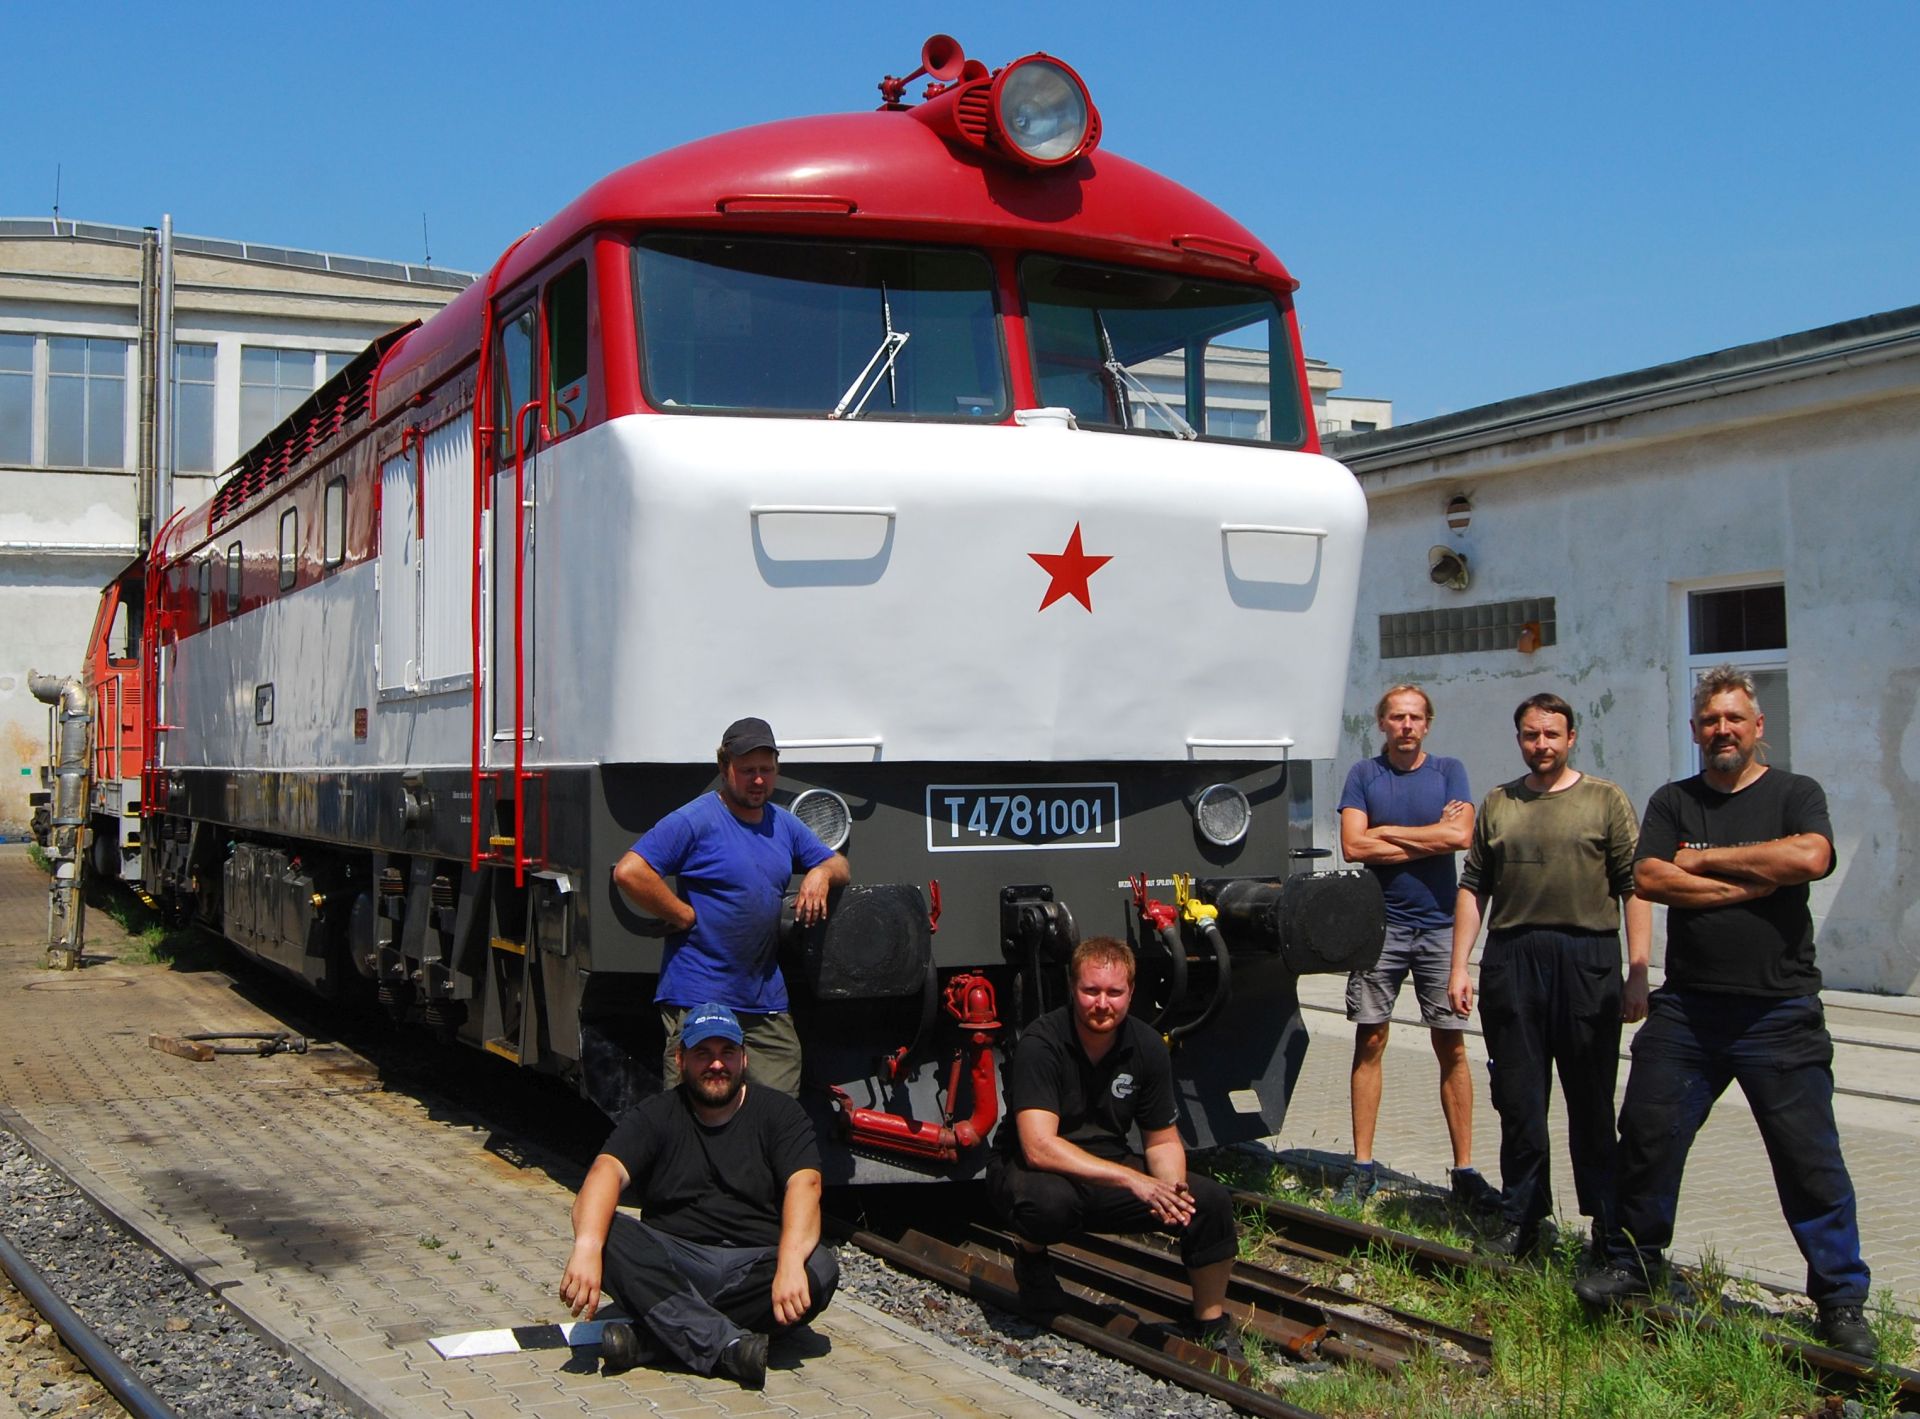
1480,200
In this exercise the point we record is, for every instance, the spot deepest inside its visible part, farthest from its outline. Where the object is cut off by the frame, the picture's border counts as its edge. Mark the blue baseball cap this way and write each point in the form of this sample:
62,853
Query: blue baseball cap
710,1021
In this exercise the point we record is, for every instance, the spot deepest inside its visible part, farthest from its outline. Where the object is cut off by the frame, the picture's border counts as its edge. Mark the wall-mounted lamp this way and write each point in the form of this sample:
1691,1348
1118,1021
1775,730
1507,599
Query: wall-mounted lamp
1459,512
1447,567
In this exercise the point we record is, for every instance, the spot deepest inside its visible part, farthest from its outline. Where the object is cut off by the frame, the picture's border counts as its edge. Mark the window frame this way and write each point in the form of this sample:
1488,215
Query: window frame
289,548
333,522
1688,664
39,381
204,589
236,577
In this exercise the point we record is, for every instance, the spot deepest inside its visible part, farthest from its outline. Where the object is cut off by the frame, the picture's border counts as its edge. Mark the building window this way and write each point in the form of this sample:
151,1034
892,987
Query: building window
334,524
1744,626
1364,426
333,361
193,408
273,383
86,402
16,399
289,547
1229,423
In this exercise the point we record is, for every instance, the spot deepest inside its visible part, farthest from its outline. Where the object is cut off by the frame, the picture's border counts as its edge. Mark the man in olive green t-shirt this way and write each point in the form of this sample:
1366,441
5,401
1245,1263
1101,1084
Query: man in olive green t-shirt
1553,854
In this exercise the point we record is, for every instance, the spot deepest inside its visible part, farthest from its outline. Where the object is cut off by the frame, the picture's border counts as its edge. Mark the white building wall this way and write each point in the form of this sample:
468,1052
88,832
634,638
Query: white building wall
1806,478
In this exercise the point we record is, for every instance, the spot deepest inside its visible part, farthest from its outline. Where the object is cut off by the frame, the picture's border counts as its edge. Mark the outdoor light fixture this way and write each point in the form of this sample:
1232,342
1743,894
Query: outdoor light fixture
1448,568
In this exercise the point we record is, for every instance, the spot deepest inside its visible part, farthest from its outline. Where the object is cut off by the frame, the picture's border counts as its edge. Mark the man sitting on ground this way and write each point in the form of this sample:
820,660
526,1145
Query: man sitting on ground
727,1247
1080,1080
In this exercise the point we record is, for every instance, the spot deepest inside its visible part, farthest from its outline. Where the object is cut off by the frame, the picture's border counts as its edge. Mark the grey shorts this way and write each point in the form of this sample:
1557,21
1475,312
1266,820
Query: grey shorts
1425,955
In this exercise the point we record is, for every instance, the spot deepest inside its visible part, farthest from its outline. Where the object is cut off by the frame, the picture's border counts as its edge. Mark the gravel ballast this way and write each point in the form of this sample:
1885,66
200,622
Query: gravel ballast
183,1343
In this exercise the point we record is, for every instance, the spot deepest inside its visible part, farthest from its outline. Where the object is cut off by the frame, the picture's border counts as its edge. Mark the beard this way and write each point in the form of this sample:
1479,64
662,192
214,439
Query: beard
715,1091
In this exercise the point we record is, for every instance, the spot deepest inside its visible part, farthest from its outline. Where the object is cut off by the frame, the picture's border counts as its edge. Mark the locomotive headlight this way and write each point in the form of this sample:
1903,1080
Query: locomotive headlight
826,812
1043,110
1223,815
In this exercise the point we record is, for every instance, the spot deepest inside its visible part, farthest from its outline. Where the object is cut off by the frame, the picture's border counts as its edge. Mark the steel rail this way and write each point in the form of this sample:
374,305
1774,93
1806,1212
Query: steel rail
1119,1337
93,1352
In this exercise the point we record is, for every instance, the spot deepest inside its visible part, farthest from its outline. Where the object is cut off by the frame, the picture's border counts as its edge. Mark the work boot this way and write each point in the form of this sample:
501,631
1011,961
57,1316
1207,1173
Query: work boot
1219,1335
744,1361
1359,1184
1845,1328
620,1347
1473,1192
1514,1241
1611,1286
1040,1290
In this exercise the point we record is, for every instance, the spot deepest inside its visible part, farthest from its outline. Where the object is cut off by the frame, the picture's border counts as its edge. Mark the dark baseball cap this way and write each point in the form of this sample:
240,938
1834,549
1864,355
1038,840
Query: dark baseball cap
708,1022
743,736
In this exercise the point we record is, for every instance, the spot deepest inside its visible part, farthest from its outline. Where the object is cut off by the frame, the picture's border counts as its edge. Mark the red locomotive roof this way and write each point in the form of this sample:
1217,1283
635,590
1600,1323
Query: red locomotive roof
880,175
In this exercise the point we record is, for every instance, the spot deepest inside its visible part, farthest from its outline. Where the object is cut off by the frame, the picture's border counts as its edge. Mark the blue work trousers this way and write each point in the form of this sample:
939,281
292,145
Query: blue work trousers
1693,1045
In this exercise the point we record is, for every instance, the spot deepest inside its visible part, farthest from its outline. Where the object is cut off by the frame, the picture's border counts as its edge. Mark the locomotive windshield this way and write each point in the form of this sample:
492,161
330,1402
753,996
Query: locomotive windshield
800,327
1159,352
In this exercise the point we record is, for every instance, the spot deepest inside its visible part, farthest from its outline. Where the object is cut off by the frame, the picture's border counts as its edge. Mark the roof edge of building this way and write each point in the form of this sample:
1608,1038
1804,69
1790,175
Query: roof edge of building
1886,335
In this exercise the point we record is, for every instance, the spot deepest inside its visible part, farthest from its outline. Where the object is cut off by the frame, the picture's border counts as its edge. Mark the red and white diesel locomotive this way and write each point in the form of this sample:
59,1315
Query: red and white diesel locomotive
979,461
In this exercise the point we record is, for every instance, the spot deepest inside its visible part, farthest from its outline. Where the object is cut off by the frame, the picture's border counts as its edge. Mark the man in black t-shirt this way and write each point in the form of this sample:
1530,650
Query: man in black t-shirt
1082,1078
1731,851
728,1181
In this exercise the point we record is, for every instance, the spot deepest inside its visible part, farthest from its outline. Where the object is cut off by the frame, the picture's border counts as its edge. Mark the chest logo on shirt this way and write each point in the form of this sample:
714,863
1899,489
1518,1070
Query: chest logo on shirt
1122,1086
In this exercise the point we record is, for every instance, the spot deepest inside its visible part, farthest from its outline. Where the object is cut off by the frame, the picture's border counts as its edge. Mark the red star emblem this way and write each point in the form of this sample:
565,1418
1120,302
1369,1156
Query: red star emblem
1070,570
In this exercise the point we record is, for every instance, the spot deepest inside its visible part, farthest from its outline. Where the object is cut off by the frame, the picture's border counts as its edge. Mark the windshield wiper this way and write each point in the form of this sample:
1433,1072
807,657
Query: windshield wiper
881,363
1123,381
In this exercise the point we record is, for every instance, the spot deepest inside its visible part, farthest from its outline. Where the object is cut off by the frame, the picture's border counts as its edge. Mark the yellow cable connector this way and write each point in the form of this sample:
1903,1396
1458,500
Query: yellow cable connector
1190,908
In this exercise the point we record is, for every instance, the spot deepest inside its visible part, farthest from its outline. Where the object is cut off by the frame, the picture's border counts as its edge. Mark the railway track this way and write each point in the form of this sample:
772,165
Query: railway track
1127,1296
103,1362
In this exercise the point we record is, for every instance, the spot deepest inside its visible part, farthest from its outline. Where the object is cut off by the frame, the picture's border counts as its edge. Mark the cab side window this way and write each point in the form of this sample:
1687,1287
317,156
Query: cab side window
566,312
513,383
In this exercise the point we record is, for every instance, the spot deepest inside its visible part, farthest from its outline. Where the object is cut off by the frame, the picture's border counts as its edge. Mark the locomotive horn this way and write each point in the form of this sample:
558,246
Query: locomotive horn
941,58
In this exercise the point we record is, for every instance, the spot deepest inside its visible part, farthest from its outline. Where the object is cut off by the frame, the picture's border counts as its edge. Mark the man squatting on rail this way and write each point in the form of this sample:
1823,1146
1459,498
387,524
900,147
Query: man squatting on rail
727,1176
1082,1076
733,852
1403,815
1551,871
1731,851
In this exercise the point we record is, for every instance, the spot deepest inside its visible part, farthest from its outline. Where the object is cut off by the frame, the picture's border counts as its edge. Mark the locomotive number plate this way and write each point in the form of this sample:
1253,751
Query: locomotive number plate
1010,817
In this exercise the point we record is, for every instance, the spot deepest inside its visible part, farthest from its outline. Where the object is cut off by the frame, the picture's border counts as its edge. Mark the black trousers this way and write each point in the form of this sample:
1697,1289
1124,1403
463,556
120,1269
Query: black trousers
1551,999
696,1299
1046,1207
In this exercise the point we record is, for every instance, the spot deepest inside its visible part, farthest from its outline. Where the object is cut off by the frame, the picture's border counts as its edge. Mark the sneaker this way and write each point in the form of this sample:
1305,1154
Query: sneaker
1040,1290
1359,1183
744,1361
620,1347
1610,1286
1844,1328
1219,1335
1474,1192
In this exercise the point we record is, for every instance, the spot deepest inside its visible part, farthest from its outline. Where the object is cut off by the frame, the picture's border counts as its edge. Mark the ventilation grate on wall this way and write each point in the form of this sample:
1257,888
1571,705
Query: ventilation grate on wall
1494,626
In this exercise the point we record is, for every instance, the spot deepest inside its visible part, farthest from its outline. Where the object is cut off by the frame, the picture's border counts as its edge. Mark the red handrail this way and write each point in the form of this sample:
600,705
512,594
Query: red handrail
532,406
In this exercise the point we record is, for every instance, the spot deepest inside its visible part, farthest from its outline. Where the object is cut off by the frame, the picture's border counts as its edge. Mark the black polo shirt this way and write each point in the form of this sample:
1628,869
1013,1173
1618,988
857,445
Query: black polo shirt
1098,1104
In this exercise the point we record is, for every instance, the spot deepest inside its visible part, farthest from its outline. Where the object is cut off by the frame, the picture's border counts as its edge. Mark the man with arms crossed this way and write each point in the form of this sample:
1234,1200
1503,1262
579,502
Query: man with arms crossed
1730,851
734,853
1553,855
1403,814
1082,1077
727,1248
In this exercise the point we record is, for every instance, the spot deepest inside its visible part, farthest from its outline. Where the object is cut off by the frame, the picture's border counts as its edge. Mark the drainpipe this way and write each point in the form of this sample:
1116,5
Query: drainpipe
66,909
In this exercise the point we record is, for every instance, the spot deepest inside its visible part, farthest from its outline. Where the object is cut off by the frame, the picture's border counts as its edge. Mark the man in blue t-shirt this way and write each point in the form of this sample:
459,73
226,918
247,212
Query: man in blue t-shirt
733,853
1403,814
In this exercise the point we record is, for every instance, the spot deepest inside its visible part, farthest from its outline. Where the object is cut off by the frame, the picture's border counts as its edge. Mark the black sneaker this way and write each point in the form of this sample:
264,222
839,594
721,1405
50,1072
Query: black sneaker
1511,1241
1845,1328
1610,1286
1219,1335
744,1361
1359,1184
1040,1290
1474,1192
620,1347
